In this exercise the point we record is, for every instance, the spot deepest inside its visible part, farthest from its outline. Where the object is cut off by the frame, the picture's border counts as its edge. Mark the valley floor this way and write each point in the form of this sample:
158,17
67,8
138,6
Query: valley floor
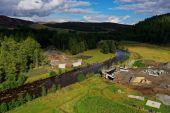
89,57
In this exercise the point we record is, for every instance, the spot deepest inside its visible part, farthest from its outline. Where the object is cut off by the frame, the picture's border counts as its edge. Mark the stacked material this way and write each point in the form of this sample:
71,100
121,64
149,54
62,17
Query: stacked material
136,97
153,104
140,80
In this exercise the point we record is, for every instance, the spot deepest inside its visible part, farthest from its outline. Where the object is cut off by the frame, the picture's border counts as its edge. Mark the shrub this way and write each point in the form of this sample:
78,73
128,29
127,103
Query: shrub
54,88
44,91
21,99
81,77
3,108
139,63
22,78
52,74
28,97
59,87
60,71
11,105
17,103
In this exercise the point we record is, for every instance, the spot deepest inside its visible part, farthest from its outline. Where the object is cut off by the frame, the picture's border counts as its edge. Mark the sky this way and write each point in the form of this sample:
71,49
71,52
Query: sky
116,11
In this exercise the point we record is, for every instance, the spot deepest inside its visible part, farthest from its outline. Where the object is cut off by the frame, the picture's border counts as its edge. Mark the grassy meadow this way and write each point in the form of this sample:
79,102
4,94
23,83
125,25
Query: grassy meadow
42,73
94,95
149,52
96,56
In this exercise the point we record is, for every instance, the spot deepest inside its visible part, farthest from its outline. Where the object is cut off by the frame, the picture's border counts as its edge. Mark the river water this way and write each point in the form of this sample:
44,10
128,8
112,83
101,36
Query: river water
62,80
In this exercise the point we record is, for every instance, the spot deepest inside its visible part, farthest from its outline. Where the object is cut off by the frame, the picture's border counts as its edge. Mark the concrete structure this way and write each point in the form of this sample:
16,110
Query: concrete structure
62,66
136,97
153,104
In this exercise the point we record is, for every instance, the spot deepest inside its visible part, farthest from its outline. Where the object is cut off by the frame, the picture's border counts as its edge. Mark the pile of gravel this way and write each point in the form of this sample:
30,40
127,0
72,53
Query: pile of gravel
164,98
166,65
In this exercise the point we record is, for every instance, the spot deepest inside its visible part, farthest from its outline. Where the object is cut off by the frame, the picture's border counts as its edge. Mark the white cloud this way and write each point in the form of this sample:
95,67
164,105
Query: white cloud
104,18
28,8
30,5
152,7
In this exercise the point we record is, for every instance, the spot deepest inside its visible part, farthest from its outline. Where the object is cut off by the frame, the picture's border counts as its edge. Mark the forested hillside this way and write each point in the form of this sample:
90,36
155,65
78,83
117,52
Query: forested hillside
155,29
87,27
152,30
7,22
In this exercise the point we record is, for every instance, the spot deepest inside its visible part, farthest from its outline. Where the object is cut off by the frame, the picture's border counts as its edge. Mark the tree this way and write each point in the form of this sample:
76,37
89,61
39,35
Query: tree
16,58
108,46
105,48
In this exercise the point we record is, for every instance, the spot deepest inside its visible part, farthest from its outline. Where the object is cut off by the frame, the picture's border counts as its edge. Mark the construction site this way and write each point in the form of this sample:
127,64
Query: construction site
149,81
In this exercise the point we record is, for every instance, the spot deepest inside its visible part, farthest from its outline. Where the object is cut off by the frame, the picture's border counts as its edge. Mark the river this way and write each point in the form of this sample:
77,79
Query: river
62,80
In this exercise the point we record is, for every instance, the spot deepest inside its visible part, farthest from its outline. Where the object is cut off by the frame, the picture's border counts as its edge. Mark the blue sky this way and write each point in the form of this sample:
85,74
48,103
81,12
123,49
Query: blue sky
117,11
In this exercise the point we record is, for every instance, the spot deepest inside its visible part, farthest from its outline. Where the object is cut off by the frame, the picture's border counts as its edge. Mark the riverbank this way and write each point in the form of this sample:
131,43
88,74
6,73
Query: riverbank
63,80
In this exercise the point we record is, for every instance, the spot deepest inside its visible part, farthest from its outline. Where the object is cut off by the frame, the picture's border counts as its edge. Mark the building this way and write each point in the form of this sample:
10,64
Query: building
77,64
61,66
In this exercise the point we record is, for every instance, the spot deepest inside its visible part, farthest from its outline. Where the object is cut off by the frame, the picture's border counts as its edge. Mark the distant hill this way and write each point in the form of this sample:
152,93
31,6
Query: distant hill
88,27
156,20
8,22
155,30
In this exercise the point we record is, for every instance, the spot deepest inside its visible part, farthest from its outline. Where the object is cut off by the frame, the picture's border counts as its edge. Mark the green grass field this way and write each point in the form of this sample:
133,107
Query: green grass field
95,92
42,73
149,52
96,56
